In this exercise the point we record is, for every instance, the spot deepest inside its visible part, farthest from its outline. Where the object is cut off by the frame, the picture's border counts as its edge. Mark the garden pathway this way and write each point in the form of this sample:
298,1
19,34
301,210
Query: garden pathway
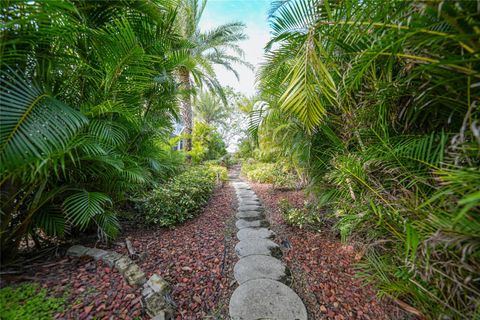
262,277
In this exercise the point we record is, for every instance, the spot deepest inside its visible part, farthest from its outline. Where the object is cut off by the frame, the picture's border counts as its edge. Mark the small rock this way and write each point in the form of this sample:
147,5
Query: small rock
88,309
76,251
323,309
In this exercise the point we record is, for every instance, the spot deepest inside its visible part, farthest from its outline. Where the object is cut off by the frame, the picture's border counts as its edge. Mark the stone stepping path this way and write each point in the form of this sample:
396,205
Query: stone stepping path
262,277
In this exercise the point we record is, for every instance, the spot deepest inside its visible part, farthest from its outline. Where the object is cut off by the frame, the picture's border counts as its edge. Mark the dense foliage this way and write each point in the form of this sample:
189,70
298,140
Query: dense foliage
183,195
377,101
89,91
28,301
207,144
275,173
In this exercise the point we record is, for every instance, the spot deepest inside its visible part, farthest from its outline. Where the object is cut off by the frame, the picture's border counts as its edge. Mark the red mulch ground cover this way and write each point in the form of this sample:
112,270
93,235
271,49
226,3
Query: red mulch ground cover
322,267
196,258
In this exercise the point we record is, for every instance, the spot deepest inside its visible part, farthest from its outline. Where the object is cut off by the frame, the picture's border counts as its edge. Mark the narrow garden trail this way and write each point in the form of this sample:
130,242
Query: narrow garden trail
261,275
208,281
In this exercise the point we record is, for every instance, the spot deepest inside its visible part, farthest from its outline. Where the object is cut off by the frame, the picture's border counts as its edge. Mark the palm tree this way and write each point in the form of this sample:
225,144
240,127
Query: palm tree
75,91
209,108
378,98
201,51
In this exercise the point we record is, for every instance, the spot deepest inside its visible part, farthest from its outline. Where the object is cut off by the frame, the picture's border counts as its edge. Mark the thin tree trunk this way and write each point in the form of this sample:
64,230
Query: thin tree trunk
186,106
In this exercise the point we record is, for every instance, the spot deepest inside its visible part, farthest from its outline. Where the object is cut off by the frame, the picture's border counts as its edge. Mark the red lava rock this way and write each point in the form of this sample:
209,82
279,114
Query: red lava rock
130,296
87,309
322,267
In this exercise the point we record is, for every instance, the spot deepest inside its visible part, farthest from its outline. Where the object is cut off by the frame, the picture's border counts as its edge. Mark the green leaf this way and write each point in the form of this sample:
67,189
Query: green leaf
33,124
80,208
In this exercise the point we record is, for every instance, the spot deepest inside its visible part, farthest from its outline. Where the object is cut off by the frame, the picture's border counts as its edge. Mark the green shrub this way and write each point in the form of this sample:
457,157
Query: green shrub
207,143
258,171
221,173
28,301
274,173
182,196
307,216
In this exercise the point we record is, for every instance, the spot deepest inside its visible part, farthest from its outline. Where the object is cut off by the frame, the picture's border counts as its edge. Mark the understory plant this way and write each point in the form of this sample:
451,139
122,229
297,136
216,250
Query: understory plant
182,197
274,173
306,216
29,301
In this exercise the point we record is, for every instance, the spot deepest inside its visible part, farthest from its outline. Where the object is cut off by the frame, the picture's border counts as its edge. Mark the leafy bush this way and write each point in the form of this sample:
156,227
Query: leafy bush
258,171
207,143
220,172
307,216
274,173
182,196
28,301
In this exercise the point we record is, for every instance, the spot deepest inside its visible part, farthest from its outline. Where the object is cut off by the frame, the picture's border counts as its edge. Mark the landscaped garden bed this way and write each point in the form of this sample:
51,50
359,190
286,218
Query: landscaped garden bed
322,267
196,258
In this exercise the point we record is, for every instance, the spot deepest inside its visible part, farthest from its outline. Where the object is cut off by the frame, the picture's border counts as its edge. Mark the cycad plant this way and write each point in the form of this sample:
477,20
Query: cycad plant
385,95
87,97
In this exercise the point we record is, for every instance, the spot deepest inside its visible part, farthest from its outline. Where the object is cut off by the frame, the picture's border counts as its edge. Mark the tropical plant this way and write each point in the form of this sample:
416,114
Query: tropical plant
182,196
87,98
29,300
200,52
207,143
378,102
209,108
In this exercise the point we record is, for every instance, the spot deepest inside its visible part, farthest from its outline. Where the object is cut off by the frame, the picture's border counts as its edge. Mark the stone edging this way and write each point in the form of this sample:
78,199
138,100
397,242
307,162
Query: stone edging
156,299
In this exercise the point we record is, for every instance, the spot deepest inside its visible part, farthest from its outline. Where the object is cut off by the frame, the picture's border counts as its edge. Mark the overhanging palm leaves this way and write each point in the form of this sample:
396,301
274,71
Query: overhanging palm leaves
385,95
33,123
97,122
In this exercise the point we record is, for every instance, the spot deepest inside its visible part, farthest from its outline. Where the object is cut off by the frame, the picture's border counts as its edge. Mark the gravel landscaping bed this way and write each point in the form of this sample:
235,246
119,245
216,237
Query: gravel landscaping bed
322,267
196,258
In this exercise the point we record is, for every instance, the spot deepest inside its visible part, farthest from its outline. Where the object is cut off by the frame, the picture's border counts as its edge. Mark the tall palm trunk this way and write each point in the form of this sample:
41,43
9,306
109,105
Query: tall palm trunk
186,106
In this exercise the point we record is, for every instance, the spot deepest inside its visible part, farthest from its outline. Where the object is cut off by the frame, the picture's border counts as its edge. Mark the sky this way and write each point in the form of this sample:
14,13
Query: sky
254,14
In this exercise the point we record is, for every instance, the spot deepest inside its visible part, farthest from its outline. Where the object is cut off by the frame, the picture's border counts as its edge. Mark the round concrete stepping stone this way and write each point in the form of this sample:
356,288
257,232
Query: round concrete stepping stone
244,192
249,207
247,201
255,233
241,186
242,223
266,299
250,215
266,247
249,198
260,267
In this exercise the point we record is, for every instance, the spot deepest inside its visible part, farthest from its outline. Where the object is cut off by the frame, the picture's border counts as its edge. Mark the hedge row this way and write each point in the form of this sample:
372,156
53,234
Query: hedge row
182,196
